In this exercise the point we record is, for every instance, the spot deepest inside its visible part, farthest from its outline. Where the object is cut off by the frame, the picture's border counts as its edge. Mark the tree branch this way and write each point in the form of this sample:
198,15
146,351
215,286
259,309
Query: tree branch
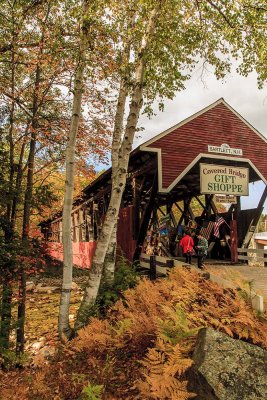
221,13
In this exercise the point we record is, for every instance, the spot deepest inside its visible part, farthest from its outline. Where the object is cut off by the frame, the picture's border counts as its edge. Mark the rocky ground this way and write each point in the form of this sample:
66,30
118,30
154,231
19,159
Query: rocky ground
42,307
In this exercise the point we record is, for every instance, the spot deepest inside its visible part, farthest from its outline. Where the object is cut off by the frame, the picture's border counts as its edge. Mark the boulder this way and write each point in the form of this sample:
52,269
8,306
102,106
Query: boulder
228,369
37,346
46,289
30,286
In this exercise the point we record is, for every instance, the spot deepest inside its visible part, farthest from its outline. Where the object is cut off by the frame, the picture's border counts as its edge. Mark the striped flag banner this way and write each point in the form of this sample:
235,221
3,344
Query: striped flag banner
219,221
206,232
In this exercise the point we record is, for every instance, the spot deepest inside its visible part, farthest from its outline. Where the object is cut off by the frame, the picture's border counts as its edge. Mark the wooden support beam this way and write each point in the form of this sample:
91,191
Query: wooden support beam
213,207
234,240
146,218
200,202
160,210
208,199
179,208
173,219
190,211
169,206
137,189
206,211
184,215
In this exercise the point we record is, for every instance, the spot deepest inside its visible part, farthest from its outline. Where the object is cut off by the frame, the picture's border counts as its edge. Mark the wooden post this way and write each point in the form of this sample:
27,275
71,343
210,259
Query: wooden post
153,268
169,263
208,199
234,240
136,209
265,258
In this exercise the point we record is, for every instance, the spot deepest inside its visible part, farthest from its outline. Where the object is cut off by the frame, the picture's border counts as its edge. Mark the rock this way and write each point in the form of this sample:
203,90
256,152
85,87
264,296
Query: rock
47,352
30,286
46,289
74,286
205,275
228,369
37,346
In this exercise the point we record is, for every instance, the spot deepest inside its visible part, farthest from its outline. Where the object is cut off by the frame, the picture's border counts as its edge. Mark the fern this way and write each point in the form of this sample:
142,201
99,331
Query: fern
163,373
155,322
92,392
175,327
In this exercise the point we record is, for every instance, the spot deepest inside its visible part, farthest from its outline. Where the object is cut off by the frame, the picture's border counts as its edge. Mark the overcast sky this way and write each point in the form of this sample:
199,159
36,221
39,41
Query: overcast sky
241,93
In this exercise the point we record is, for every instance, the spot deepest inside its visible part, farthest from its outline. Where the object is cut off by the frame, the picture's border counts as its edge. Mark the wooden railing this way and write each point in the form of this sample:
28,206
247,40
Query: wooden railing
157,264
252,255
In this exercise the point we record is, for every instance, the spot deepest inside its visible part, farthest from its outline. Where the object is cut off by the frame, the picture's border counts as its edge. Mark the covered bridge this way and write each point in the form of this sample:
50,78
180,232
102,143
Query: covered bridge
169,188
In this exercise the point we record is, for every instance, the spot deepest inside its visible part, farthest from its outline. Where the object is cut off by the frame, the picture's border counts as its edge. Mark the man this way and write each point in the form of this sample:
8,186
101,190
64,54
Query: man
202,250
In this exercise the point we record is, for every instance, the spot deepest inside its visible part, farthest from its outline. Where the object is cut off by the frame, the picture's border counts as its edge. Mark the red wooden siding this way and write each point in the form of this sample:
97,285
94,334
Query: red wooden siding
216,126
124,233
83,252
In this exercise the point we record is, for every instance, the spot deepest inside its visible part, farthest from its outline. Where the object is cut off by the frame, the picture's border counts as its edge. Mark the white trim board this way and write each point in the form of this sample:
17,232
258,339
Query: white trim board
201,155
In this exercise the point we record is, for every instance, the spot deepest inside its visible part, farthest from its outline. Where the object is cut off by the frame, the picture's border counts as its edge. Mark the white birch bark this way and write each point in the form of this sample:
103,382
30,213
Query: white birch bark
63,321
120,173
110,258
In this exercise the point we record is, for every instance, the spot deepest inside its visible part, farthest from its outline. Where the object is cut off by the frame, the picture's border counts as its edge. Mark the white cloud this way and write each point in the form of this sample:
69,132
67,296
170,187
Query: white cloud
240,92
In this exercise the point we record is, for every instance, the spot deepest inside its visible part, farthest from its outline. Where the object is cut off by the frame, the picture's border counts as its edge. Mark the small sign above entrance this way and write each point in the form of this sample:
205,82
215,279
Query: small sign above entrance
224,179
226,199
225,149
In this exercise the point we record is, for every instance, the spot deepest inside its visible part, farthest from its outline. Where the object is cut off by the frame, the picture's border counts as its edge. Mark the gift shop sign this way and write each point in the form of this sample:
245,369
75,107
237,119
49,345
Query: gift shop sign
223,179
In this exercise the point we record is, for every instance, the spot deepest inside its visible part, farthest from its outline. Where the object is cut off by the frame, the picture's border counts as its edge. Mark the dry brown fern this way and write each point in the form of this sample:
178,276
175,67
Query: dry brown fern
164,367
153,323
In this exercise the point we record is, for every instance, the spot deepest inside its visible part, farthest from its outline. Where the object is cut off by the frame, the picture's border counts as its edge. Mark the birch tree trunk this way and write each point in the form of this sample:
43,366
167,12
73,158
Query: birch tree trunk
110,257
64,328
119,180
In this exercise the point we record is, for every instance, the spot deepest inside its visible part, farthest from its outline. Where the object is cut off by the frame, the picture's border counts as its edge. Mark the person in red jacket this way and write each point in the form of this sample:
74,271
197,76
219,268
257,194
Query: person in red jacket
187,245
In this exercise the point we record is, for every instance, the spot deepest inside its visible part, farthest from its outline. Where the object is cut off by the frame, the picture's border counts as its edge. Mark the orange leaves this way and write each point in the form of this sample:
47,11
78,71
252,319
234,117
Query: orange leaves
163,373
95,337
142,349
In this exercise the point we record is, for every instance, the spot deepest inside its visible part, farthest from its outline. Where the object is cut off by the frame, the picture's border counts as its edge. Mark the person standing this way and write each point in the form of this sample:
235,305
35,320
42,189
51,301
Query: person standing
187,244
202,250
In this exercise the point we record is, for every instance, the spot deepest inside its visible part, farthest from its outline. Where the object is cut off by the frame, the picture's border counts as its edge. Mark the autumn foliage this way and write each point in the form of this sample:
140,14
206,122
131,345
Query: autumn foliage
143,349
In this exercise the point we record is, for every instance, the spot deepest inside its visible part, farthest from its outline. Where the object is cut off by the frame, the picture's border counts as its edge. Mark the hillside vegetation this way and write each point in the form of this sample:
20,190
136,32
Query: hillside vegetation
143,348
